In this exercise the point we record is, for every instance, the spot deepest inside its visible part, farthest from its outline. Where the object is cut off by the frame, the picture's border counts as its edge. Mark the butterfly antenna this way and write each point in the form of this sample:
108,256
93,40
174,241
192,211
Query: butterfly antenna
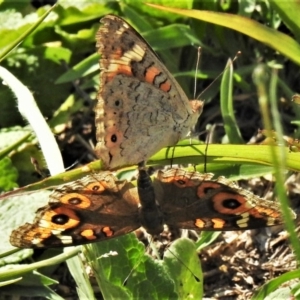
196,277
150,240
127,277
196,71
233,60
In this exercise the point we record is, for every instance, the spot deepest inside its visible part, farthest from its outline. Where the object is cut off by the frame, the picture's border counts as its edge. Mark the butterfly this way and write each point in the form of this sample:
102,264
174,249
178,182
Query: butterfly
99,207
141,108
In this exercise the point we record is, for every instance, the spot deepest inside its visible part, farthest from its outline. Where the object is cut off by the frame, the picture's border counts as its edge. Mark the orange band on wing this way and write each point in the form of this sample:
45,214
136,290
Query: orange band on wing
218,223
107,231
115,69
150,75
200,223
88,234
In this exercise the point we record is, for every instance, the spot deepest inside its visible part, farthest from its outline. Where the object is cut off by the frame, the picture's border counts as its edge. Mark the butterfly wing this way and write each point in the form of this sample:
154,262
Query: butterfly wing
92,209
141,108
192,200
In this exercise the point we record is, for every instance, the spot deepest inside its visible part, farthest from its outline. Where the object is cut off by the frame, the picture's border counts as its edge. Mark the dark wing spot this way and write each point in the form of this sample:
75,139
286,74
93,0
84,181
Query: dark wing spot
60,219
181,182
75,201
231,203
208,189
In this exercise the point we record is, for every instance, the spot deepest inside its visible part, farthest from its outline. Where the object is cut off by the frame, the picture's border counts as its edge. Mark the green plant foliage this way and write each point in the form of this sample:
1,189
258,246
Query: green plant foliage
182,263
123,270
14,212
9,175
56,59
38,287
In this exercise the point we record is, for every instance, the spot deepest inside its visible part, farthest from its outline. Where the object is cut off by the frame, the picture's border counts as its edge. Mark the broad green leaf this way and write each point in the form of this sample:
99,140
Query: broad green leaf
9,175
171,36
83,68
183,265
123,269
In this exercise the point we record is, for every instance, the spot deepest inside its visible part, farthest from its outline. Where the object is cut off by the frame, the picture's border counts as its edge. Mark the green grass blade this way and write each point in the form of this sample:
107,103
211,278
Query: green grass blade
181,154
279,167
273,284
77,270
289,13
230,124
16,42
19,270
268,36
277,155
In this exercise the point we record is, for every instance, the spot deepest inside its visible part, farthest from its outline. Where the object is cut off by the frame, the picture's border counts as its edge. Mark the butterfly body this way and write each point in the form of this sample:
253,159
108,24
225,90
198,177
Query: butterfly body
151,215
